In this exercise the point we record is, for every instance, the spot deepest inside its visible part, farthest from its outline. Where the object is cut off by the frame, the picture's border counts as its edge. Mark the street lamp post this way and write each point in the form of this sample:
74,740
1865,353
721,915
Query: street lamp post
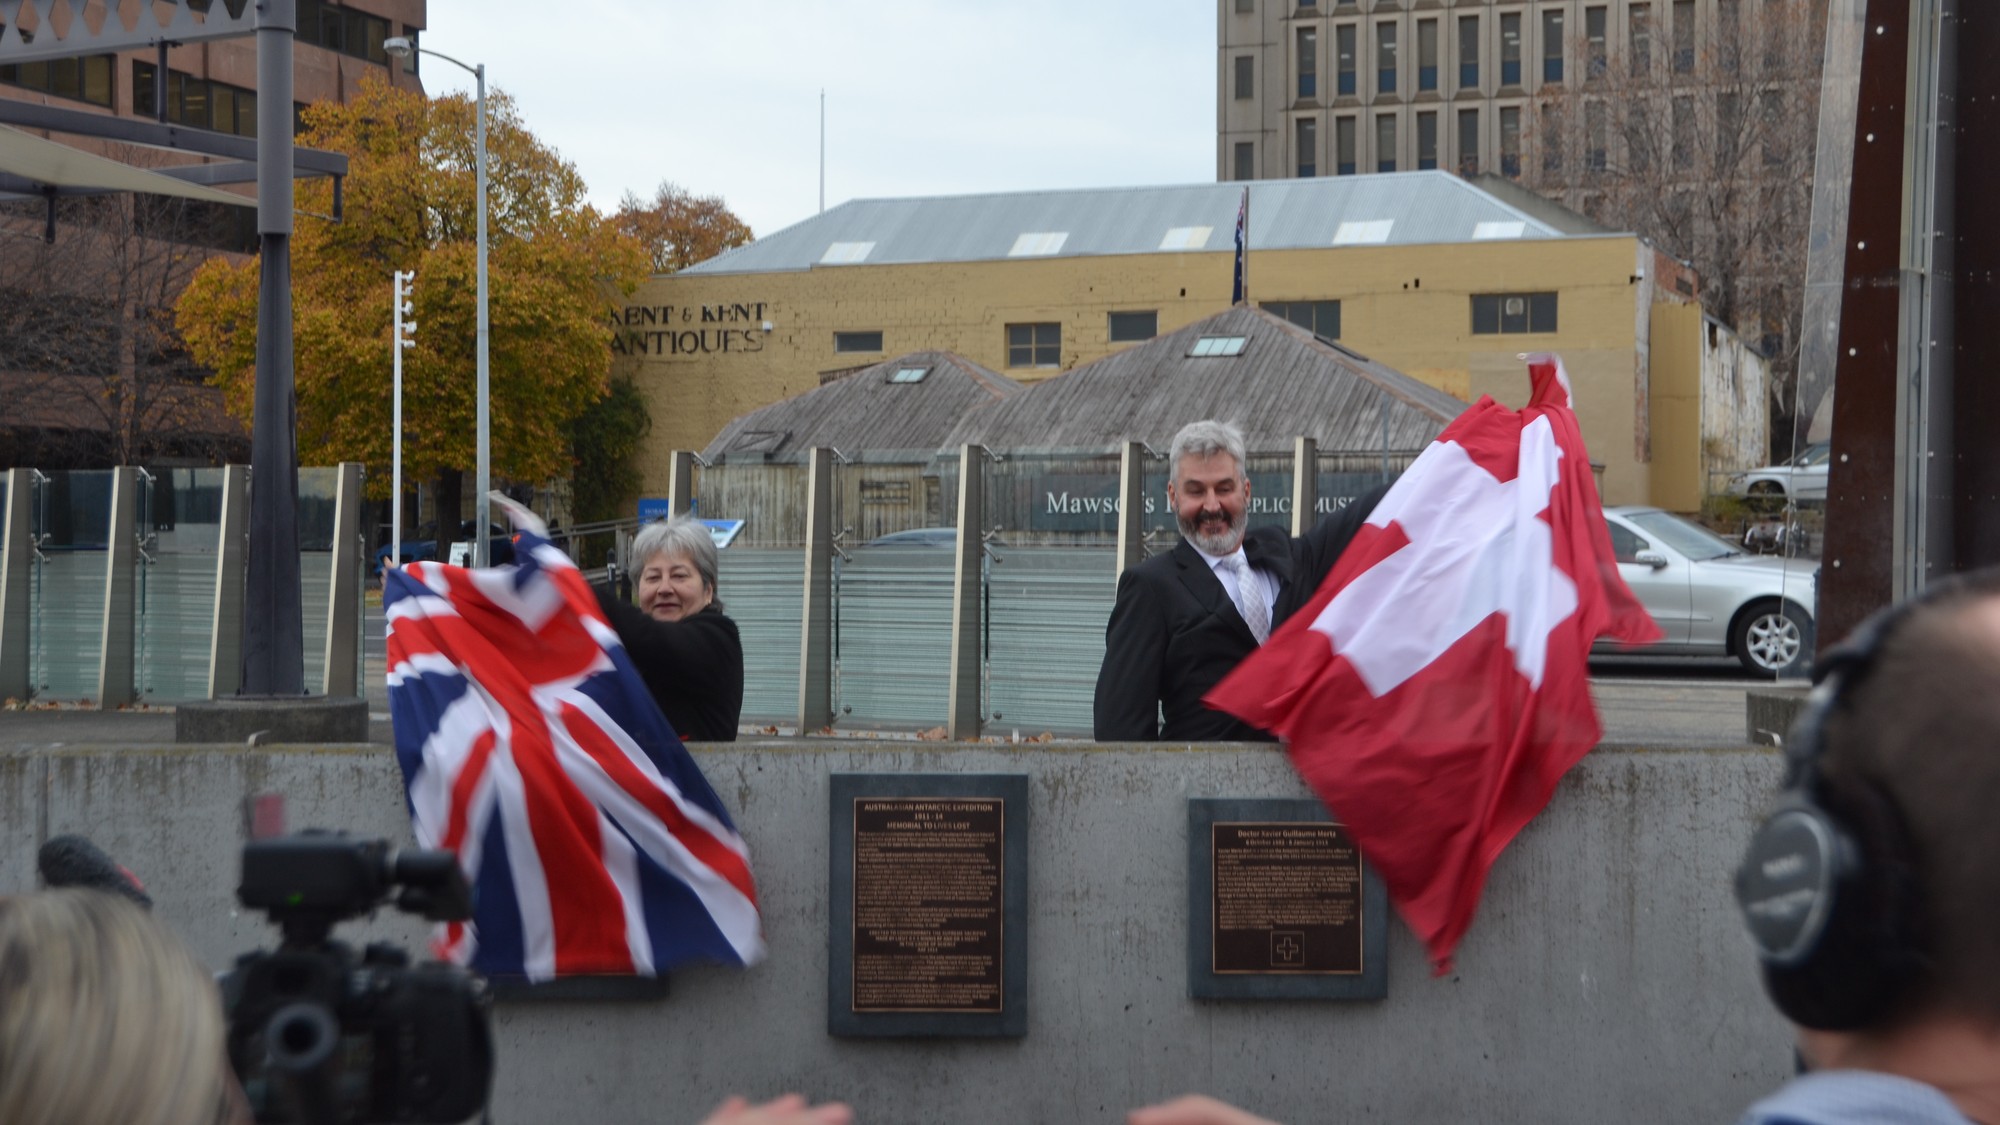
403,330
401,48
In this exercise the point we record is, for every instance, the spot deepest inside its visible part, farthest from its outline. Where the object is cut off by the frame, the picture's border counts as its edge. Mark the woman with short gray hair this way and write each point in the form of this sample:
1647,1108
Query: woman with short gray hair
685,649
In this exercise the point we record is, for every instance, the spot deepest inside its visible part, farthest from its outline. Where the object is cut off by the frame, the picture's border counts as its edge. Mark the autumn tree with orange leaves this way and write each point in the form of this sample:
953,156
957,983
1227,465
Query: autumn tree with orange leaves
679,228
556,270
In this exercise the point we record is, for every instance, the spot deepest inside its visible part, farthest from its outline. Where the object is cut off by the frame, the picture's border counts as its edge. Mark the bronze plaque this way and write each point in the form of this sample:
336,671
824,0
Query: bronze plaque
928,879
1287,899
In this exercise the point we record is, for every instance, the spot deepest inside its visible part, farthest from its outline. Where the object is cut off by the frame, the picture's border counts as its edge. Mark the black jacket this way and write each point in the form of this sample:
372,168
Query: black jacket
693,667
1174,633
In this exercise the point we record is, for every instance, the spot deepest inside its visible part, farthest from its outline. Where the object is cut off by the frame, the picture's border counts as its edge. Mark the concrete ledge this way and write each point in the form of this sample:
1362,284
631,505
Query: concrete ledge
1771,711
273,719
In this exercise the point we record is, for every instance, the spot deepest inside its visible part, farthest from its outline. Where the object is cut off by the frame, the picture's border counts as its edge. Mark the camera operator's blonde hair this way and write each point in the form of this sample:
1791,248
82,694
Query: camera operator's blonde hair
105,1018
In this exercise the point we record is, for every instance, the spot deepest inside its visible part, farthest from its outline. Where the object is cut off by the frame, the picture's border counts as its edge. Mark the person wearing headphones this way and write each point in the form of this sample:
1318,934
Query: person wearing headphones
1870,890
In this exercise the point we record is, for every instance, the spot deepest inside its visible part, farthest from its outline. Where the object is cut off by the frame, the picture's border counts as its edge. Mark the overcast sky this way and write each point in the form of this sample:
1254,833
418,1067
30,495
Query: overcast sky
923,97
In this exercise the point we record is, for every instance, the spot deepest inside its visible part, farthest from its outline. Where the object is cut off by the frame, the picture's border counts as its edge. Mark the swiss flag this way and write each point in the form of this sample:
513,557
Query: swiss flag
1436,688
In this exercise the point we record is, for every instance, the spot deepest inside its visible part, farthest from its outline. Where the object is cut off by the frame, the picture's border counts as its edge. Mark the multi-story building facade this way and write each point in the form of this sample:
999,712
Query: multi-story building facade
1338,87
90,363
214,85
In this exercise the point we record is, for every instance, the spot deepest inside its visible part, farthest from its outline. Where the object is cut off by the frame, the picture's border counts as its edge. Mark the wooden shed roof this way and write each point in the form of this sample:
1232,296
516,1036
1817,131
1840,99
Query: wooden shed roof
1285,383
869,409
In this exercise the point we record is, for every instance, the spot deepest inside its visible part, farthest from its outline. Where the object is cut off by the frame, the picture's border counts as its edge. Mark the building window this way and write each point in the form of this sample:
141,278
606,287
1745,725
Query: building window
1468,52
1215,346
1344,62
1510,49
1344,129
1034,345
1468,142
85,79
1308,40
1597,131
1246,76
1639,29
1552,45
1771,103
1728,30
1510,141
1683,36
194,102
1307,142
1496,314
1246,160
1683,134
1246,7
1595,48
1385,57
1427,54
1551,139
1321,318
1385,142
908,375
323,23
857,341
1127,326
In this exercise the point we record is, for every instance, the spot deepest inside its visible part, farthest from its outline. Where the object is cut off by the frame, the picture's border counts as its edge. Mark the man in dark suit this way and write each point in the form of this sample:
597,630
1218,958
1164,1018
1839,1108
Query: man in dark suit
1184,619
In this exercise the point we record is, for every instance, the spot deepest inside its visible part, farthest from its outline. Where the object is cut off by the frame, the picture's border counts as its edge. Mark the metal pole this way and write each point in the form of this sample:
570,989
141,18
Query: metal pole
273,631
485,470
17,556
1131,506
115,651
1305,484
822,151
396,457
962,700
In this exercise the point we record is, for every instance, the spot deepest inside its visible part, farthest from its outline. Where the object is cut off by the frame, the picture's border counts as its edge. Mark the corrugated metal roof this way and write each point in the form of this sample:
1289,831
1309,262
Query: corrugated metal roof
1418,207
867,410
1286,383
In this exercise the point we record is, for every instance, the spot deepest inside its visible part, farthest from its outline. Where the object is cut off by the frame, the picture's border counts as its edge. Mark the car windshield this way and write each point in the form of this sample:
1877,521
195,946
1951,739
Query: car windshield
1689,539
1811,455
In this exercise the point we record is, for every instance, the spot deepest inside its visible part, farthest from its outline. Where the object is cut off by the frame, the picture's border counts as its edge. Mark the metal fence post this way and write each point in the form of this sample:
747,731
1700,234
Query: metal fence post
225,645
1131,505
962,714
1305,484
680,482
343,588
816,605
114,661
17,556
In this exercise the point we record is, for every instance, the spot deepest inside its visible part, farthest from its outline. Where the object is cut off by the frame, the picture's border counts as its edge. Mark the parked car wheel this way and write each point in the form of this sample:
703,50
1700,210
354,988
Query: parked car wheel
1774,639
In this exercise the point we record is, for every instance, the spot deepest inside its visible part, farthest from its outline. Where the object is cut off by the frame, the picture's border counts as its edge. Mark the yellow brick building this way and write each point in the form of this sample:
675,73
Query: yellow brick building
1421,271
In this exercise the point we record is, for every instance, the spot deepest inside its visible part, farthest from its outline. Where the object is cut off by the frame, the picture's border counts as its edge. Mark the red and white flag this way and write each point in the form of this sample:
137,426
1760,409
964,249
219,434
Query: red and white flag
1436,688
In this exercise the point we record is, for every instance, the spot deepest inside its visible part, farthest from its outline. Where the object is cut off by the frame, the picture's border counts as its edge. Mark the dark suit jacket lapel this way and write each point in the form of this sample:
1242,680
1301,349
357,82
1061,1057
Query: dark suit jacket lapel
1201,581
1271,552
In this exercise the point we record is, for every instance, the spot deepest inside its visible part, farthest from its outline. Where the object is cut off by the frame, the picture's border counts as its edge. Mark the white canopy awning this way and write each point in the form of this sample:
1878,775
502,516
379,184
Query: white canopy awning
72,170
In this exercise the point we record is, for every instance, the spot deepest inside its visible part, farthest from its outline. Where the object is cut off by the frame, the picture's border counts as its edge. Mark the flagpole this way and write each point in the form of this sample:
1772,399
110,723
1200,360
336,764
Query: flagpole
1246,246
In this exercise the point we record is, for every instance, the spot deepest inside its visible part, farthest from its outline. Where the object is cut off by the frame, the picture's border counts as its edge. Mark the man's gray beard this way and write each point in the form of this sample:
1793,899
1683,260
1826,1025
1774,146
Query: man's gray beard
1217,545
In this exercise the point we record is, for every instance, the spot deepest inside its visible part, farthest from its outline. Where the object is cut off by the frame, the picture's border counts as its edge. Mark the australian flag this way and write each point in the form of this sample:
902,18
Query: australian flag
531,748
1242,248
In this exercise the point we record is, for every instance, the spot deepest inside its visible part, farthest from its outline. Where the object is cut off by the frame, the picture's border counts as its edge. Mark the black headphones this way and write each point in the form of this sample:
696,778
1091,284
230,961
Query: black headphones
1828,886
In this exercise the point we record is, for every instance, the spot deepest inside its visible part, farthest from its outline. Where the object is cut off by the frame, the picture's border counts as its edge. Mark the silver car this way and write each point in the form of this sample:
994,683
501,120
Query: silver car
1712,598
1802,478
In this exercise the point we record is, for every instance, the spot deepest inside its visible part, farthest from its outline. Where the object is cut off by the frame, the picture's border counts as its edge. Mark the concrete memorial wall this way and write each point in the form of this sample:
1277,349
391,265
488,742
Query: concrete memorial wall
1605,978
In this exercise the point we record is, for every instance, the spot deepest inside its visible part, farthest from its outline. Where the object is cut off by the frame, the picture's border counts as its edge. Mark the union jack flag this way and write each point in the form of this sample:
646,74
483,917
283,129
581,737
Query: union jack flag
531,748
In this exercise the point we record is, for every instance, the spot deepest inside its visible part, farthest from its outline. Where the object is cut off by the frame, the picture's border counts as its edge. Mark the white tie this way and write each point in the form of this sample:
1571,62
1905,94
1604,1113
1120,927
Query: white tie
1251,592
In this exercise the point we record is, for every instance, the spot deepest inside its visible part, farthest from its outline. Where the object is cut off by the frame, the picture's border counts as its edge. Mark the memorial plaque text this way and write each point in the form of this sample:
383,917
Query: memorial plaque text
929,874
1287,899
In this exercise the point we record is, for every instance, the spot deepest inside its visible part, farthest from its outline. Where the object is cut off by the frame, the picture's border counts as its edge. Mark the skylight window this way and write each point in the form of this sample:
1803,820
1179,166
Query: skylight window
1365,233
846,253
909,374
1499,230
1186,238
1218,346
1039,244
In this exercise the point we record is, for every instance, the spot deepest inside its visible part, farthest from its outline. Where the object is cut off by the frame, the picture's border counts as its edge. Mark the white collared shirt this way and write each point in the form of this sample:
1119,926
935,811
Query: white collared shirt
1266,581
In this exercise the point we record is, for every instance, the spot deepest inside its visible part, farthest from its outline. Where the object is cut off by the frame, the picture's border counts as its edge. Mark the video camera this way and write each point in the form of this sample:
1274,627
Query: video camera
320,1035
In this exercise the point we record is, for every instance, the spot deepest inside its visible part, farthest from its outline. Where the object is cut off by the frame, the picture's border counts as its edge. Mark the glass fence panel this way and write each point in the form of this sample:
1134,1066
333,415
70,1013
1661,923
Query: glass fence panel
760,576
176,584
317,487
71,524
892,590
1051,577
